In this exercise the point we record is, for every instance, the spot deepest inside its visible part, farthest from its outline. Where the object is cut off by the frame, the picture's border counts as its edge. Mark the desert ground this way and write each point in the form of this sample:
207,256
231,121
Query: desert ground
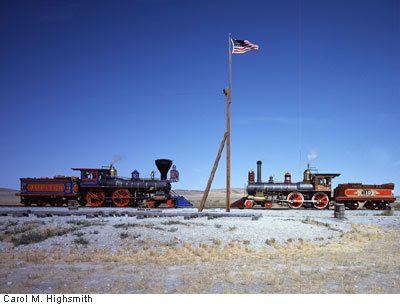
284,251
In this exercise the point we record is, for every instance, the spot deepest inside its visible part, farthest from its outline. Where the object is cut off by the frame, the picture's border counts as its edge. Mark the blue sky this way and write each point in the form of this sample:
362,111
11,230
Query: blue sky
83,81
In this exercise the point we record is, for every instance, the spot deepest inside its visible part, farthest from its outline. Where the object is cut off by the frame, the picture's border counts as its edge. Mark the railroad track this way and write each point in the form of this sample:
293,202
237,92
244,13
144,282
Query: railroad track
43,212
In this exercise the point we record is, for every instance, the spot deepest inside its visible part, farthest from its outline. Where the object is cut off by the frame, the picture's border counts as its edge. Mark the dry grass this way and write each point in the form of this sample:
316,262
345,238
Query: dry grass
38,236
366,260
29,232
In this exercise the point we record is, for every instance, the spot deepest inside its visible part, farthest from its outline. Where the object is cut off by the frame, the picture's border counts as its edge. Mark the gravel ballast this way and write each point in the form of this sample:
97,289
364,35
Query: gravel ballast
277,226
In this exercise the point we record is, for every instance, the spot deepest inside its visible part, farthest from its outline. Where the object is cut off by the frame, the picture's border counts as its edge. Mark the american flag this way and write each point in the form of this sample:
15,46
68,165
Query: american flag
243,46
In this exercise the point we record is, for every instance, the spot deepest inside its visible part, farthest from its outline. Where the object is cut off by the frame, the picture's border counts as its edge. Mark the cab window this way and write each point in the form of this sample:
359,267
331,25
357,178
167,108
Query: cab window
89,175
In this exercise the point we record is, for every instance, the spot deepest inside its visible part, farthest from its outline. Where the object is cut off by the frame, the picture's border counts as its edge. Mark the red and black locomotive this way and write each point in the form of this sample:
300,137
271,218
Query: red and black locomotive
315,191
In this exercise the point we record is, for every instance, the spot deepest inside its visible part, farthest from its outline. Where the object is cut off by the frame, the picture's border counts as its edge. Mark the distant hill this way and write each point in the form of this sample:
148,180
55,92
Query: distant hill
216,197
7,191
8,197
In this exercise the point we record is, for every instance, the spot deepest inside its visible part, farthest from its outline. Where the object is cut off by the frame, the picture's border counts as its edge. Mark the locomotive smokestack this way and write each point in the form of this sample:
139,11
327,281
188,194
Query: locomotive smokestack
163,165
259,171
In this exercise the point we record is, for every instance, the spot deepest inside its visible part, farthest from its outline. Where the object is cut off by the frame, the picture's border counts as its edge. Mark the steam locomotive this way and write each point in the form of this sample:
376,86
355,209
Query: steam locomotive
315,191
100,187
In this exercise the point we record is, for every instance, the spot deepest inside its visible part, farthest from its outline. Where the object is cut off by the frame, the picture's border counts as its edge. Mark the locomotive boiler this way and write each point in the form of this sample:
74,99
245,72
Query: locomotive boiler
314,191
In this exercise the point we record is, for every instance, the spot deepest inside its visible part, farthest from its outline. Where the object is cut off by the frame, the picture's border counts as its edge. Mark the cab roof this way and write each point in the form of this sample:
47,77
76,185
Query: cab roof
91,169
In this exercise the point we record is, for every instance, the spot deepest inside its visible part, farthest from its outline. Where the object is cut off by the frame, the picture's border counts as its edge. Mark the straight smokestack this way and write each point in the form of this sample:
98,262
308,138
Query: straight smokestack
259,171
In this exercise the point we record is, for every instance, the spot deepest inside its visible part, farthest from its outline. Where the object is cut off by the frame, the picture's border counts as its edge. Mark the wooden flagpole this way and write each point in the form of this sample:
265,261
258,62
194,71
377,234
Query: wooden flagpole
226,138
228,131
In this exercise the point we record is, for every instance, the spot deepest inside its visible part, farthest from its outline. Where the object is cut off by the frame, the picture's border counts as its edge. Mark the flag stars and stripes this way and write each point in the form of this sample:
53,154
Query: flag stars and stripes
243,46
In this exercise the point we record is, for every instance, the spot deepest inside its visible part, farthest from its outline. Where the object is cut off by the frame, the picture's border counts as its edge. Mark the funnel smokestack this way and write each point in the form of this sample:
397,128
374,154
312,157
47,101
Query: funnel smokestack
163,165
259,171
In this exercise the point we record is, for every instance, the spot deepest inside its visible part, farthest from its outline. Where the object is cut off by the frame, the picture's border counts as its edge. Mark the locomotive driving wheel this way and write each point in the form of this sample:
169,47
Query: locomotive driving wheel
295,199
95,198
121,197
320,200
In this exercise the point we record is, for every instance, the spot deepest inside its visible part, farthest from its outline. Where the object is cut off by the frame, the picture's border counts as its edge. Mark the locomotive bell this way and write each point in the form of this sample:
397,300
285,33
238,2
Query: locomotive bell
288,178
113,171
307,176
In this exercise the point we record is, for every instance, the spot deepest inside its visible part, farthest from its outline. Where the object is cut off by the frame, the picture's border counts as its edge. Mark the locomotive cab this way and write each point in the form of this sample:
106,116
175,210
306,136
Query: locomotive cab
323,181
92,177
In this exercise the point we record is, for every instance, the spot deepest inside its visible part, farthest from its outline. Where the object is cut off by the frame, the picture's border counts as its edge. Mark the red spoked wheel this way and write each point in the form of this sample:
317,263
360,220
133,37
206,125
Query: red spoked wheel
170,203
320,200
95,198
121,197
248,203
295,199
150,204
268,205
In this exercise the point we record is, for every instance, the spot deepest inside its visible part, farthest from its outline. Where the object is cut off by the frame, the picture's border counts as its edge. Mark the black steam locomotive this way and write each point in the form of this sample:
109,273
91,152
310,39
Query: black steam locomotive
313,191
98,187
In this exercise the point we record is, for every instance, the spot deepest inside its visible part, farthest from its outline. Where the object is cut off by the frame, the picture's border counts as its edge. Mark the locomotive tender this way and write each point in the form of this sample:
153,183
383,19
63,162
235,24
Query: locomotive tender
314,191
99,186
